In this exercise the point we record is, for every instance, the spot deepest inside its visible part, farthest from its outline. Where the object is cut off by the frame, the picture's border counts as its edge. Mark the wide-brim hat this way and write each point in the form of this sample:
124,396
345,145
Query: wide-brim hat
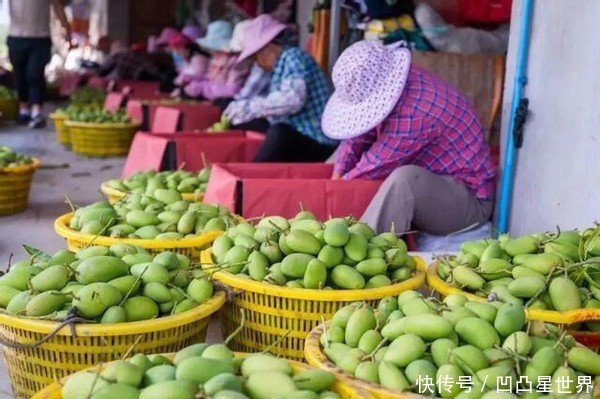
259,32
192,31
165,36
218,36
236,45
369,79
179,40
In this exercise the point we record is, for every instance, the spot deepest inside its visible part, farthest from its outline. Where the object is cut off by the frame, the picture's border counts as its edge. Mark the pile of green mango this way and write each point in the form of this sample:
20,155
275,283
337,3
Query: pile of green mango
161,216
305,253
74,109
200,371
411,343
10,158
122,283
87,95
543,271
150,180
7,94
221,126
99,115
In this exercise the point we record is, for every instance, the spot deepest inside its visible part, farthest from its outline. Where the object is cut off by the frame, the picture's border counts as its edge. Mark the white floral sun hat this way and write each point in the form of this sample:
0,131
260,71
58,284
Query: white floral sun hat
368,78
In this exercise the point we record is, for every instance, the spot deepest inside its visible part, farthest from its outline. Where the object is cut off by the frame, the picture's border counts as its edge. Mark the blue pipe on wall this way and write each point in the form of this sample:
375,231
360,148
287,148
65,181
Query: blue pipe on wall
508,172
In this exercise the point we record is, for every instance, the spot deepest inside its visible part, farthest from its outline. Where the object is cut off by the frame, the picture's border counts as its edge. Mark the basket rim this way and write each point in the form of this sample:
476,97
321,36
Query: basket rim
316,358
296,366
34,165
58,115
105,189
61,227
133,124
550,316
201,311
259,287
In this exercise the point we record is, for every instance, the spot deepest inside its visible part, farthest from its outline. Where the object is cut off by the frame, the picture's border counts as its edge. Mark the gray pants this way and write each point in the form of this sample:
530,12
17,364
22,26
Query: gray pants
414,198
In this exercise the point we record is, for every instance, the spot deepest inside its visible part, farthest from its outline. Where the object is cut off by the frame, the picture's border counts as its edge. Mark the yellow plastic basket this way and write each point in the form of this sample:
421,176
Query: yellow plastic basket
30,370
345,390
9,107
62,131
101,139
191,247
588,338
315,357
15,183
272,311
114,195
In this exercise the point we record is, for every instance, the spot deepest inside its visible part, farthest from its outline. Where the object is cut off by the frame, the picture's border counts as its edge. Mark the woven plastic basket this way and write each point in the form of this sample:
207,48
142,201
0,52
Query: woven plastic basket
15,184
345,390
30,370
62,131
588,338
190,247
315,357
101,139
272,311
9,107
114,195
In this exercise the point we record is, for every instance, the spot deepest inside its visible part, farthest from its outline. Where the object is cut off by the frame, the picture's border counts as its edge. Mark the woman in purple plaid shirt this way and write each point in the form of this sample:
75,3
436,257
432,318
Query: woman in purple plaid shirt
400,123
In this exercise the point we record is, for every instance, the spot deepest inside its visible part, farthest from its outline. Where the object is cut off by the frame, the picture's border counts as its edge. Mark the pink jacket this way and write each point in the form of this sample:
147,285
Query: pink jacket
194,69
224,78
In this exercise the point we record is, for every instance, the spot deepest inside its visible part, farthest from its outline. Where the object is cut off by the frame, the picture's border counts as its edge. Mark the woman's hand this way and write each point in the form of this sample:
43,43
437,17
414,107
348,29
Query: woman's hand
176,93
236,112
335,176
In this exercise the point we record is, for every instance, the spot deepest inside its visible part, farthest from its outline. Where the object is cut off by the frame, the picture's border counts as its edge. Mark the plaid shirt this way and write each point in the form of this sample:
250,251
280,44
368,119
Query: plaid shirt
432,126
297,96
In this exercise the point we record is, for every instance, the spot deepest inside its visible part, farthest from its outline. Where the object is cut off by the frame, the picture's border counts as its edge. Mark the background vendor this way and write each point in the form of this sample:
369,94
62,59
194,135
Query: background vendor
401,123
294,104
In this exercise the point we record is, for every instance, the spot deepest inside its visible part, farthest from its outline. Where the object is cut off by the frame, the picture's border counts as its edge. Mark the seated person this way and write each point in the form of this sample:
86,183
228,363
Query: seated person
400,123
225,77
191,62
295,101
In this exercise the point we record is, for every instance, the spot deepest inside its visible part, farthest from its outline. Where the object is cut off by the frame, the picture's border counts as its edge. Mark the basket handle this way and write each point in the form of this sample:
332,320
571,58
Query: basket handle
67,322
231,292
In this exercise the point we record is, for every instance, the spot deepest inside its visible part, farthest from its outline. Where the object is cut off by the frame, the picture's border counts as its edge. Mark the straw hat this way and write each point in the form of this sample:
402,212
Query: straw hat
368,78
259,32
218,36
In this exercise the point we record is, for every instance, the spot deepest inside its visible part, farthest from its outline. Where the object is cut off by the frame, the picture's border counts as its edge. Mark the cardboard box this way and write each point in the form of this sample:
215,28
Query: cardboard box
163,151
194,115
256,189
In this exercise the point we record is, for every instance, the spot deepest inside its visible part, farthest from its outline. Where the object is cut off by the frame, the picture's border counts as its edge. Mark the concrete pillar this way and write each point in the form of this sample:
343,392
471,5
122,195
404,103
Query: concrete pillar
556,181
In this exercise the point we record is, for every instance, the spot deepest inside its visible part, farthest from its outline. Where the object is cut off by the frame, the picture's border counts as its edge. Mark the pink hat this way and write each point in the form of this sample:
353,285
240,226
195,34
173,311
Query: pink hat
368,78
179,40
258,33
165,36
192,31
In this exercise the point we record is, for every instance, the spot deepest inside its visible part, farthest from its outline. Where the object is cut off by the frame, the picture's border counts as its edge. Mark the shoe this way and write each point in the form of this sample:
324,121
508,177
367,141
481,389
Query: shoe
38,122
23,119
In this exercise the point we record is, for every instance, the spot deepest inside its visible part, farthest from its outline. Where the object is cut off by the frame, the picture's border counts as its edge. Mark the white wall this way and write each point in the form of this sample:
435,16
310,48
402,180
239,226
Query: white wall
558,173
